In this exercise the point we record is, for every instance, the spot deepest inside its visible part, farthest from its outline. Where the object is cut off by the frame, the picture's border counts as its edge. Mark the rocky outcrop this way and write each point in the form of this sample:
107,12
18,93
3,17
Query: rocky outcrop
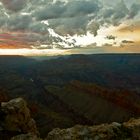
133,125
26,137
115,131
16,124
16,118
126,131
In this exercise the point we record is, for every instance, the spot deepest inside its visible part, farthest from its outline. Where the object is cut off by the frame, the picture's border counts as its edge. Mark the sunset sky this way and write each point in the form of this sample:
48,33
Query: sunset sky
52,27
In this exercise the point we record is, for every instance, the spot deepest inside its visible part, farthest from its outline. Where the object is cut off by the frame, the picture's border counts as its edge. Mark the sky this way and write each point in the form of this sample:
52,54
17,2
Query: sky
52,27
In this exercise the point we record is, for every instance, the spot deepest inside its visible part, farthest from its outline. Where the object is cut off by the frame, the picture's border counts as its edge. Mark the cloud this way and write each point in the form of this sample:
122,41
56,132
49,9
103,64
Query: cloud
69,18
93,27
111,37
128,42
120,10
18,22
71,26
67,10
114,14
134,10
107,13
134,27
50,11
14,5
65,17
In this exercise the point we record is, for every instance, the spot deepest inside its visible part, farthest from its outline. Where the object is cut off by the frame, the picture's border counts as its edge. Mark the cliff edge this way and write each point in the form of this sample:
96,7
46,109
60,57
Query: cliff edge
16,123
126,131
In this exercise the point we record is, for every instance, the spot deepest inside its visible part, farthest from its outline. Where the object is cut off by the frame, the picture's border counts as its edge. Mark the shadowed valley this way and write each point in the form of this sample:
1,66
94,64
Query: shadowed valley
78,89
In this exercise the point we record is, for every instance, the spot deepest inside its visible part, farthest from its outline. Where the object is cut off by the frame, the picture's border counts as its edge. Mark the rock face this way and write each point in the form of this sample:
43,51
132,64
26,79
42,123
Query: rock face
16,118
115,131
26,137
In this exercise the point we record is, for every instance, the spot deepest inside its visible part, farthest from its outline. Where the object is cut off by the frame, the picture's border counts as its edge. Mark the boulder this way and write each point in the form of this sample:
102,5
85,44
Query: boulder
133,126
16,117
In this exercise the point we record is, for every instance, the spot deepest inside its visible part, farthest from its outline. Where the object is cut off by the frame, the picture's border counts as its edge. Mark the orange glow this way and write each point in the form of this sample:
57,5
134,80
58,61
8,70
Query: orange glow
131,32
11,41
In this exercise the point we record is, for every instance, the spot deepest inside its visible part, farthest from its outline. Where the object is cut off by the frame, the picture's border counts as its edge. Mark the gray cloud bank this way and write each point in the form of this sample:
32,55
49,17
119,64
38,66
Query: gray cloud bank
67,17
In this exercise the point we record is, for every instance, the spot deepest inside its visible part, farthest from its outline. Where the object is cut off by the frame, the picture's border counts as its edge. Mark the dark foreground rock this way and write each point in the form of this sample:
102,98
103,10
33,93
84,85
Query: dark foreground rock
115,131
16,119
16,124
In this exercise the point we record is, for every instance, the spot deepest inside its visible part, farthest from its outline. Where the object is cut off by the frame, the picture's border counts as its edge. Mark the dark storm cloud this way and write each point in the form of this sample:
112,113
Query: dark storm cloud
75,25
50,11
67,10
19,22
115,14
14,5
38,27
134,10
107,13
69,18
93,27
120,11
3,16
65,17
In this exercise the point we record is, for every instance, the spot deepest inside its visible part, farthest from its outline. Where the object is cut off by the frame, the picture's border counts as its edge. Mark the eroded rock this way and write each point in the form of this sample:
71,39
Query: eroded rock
26,137
115,131
17,124
16,117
